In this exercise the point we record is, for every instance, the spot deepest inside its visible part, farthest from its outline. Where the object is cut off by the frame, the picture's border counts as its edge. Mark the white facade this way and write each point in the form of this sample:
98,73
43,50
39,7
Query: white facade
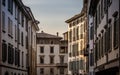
50,67
14,32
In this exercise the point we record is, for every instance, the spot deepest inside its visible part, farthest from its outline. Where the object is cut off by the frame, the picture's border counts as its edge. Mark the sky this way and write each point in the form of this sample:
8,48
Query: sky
52,14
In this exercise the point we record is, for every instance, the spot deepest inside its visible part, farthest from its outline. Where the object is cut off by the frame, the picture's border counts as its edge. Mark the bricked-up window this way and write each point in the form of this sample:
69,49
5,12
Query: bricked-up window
10,6
51,59
41,59
51,49
116,31
4,51
4,2
42,71
51,71
3,21
42,49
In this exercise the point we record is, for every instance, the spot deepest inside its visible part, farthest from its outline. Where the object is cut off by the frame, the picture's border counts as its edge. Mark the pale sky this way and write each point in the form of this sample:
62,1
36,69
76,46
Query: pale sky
52,14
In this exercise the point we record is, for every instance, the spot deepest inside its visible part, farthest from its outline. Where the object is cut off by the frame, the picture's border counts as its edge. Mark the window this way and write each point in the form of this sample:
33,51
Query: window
61,59
3,21
61,70
77,32
109,40
10,6
22,20
16,56
26,25
41,70
51,71
22,59
109,2
10,30
51,59
116,31
15,11
15,33
41,59
81,64
102,9
51,49
91,32
4,51
26,42
70,36
91,59
22,39
4,2
6,73
10,54
41,49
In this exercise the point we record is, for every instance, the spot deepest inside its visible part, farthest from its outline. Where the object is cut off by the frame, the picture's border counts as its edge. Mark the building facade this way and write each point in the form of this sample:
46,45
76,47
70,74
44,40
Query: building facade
104,27
51,55
14,22
77,41
32,46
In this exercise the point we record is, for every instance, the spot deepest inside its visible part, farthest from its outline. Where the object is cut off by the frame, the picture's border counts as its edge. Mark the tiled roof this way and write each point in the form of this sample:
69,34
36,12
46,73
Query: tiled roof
46,35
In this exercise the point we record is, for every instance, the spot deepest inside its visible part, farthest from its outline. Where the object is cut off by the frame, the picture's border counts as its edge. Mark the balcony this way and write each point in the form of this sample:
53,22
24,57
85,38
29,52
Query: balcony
61,64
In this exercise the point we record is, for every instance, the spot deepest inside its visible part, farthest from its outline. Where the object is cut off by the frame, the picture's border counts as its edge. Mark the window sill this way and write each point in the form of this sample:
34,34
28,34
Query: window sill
3,31
115,47
10,36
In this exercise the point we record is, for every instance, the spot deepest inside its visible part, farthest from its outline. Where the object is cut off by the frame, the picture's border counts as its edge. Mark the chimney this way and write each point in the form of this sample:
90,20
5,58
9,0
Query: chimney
57,34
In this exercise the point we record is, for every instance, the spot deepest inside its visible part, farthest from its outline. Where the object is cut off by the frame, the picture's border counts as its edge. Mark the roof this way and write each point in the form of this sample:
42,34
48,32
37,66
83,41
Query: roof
76,16
46,35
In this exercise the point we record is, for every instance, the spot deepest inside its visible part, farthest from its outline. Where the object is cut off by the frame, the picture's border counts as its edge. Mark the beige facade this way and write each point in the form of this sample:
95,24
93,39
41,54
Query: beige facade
105,15
77,38
51,55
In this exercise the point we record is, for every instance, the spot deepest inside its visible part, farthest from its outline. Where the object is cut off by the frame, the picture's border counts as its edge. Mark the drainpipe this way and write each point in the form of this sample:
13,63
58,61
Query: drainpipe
119,37
0,36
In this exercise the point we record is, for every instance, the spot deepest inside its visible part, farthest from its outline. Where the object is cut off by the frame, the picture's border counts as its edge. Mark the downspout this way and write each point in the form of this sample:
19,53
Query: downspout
119,37
0,38
31,52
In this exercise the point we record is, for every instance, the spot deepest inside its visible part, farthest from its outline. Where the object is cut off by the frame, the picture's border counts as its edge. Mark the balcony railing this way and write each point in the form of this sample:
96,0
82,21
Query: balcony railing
61,64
